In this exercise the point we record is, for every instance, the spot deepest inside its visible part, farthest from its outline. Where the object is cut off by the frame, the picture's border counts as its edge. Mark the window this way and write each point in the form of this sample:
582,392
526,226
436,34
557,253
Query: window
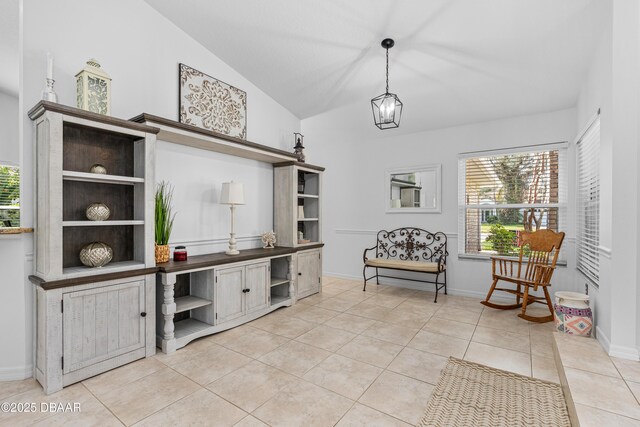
505,192
588,202
9,196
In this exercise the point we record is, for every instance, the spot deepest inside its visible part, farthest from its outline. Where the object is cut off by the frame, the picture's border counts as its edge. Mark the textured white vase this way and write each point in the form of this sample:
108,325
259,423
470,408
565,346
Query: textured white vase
572,299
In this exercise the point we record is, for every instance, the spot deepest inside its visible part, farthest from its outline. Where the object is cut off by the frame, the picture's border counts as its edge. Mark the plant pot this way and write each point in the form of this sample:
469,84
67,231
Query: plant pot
162,253
572,314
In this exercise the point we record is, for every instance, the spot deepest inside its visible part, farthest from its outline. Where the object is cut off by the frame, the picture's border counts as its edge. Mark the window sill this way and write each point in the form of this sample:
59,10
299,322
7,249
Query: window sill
486,258
15,230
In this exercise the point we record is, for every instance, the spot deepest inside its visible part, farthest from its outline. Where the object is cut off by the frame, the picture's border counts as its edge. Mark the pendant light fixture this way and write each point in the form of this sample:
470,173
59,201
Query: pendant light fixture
387,108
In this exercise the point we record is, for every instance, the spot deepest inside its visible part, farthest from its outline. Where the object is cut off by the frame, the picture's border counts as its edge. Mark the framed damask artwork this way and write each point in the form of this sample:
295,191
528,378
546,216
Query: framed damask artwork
211,104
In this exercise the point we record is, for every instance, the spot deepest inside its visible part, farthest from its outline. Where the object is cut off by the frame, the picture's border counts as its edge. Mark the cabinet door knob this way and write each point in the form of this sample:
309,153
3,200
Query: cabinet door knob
299,274
143,314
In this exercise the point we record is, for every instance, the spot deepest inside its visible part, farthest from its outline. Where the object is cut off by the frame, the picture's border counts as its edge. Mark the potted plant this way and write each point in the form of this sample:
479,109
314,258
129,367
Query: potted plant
164,220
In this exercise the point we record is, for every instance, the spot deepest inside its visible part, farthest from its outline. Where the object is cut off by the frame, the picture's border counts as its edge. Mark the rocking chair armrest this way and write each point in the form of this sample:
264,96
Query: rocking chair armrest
502,266
364,254
542,275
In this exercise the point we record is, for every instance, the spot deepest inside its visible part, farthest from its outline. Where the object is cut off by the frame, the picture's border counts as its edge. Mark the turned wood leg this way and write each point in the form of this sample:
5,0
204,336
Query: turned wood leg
493,286
548,298
525,300
519,288
168,311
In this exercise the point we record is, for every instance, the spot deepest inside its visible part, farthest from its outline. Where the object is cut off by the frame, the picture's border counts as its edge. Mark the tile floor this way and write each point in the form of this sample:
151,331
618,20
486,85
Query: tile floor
343,357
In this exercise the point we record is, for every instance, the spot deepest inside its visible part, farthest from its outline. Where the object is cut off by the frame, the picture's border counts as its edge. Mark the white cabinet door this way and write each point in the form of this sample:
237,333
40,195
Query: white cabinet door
228,295
258,280
102,323
308,273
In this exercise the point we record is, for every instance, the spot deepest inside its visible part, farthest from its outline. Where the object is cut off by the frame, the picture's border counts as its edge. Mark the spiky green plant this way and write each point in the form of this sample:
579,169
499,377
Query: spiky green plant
164,216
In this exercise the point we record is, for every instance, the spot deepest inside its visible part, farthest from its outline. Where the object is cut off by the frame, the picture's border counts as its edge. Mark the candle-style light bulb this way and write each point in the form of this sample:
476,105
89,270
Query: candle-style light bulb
48,93
49,66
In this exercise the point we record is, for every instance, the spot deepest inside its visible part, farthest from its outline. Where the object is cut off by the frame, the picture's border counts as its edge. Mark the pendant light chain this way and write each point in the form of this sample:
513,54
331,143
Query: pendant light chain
387,71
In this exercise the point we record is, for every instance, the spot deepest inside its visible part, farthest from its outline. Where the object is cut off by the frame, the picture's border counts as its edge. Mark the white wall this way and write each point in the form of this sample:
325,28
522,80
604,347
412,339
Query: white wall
141,50
612,85
9,142
354,197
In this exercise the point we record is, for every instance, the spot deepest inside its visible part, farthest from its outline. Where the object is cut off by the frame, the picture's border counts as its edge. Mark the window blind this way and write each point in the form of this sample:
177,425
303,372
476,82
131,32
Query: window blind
504,192
588,202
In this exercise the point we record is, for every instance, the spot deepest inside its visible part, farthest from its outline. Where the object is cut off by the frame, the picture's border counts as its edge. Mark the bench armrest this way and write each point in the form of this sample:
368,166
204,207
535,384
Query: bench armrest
364,254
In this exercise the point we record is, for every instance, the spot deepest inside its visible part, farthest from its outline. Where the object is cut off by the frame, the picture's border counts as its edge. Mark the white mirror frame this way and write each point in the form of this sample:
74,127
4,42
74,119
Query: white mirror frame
437,168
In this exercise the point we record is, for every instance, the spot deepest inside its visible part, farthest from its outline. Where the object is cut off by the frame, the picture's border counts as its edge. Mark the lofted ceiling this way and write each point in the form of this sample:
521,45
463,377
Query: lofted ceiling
9,46
455,61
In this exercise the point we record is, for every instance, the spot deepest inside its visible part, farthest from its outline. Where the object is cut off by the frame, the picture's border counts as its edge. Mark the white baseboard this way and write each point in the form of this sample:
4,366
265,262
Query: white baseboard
623,352
16,373
603,339
421,287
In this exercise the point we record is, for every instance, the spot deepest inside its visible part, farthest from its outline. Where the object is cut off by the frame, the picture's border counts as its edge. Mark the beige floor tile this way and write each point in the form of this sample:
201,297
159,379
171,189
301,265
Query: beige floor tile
450,328
629,369
211,364
343,375
541,343
92,413
388,301
544,368
464,303
252,385
9,388
452,312
499,358
256,343
418,364
295,357
505,320
185,353
439,344
410,319
314,299
363,416
505,339
543,328
586,354
200,408
288,327
391,333
316,314
635,389
331,290
326,337
337,303
250,421
399,396
139,399
358,294
399,291
239,331
303,404
594,417
122,376
370,350
350,323
422,307
74,393
370,311
603,392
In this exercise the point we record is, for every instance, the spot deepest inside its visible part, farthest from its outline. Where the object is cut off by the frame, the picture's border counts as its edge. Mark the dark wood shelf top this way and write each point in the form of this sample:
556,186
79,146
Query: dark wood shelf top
76,281
221,258
301,164
192,263
145,117
43,106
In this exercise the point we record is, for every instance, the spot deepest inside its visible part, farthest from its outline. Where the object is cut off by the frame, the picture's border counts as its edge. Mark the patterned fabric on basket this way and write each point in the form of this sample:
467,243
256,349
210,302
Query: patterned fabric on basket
574,321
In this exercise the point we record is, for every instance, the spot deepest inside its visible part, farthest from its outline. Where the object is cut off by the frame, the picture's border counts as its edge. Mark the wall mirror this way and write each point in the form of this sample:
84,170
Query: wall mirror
414,189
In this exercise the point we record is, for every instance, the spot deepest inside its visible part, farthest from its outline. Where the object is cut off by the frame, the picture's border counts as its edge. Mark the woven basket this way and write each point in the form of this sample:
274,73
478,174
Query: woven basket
162,253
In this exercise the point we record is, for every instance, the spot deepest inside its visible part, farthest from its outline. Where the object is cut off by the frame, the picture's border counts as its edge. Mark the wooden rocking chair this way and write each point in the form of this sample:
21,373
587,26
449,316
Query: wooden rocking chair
533,269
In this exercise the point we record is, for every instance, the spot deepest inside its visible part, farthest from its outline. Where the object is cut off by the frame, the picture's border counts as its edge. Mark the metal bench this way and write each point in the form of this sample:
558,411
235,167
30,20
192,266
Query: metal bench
409,249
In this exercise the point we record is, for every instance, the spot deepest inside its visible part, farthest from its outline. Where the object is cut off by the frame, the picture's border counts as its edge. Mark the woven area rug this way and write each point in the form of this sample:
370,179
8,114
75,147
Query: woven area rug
469,394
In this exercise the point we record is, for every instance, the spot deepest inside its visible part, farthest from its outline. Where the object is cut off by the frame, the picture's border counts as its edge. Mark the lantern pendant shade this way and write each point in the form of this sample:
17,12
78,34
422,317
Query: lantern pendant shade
93,89
387,110
232,193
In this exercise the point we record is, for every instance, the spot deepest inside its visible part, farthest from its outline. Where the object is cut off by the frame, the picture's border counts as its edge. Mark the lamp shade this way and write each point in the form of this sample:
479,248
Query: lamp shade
232,193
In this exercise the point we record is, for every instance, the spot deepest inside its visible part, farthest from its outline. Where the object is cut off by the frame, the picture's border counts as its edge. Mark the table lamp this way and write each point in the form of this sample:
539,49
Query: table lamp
232,194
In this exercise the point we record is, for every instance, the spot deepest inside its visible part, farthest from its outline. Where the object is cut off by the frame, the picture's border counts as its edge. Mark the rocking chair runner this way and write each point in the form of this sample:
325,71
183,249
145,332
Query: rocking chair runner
533,269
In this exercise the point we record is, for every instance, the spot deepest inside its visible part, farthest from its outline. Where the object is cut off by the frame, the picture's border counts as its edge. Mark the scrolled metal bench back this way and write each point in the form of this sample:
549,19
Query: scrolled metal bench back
412,244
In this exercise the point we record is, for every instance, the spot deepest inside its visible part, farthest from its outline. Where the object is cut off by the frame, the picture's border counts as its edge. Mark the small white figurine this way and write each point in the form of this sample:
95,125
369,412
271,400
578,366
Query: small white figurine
268,239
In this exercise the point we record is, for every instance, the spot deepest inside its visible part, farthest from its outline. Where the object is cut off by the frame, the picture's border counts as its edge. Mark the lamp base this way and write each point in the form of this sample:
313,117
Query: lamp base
233,247
232,252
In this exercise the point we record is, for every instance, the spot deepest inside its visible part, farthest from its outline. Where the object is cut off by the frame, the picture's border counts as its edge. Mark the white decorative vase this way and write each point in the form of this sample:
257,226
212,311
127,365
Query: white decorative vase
98,212
96,254
573,314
